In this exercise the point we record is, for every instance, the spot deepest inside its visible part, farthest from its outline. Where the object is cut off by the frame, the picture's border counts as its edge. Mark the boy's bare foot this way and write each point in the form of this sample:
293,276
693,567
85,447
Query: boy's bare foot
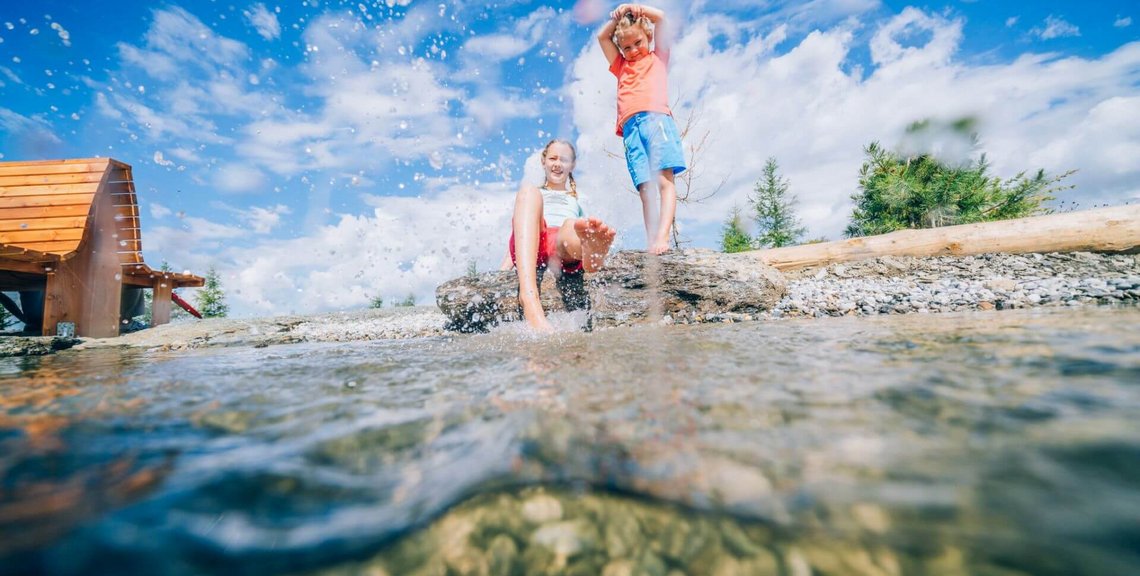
658,247
596,238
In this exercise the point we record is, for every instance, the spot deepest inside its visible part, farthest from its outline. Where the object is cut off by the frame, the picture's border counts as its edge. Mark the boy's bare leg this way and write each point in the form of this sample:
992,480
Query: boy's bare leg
526,223
648,203
587,240
668,190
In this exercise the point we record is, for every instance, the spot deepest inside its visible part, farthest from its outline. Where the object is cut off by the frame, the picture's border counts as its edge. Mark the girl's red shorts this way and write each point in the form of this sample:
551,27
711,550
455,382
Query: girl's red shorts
547,247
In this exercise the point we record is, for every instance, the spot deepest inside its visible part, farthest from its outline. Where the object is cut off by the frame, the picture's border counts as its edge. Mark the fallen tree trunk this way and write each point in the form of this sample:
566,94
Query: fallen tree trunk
1113,229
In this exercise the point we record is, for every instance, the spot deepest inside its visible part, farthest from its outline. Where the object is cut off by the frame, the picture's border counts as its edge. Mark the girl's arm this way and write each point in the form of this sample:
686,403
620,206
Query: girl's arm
606,39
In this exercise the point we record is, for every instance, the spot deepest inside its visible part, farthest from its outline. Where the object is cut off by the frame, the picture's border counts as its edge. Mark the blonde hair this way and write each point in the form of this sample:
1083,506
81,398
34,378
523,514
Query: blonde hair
573,189
627,21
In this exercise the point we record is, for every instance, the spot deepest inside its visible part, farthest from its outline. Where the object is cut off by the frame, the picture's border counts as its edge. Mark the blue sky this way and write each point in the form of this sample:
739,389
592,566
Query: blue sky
321,153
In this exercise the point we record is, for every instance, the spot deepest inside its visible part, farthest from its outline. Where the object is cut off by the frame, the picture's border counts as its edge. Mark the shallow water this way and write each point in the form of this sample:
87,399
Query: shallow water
993,443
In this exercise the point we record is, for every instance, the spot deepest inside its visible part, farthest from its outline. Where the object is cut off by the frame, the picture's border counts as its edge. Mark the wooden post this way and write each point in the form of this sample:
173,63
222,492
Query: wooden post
56,304
1113,229
160,301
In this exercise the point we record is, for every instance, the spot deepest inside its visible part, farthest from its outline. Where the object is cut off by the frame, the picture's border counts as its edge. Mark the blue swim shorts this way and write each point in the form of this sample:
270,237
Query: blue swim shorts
652,143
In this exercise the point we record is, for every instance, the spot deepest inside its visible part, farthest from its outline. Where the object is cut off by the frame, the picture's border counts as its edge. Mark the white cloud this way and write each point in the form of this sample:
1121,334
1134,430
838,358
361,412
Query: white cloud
177,42
389,252
28,136
158,211
236,177
10,75
1122,21
1011,21
264,220
1056,28
264,21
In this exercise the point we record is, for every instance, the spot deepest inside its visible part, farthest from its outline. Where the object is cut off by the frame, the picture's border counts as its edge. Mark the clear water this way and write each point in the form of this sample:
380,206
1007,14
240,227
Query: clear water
995,443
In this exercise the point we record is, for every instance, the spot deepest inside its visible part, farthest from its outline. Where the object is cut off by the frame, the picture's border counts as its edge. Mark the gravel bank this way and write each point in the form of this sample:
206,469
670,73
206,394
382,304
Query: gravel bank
949,284
887,285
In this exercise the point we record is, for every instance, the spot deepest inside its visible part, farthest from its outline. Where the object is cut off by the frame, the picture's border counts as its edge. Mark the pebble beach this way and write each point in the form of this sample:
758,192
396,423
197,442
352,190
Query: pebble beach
885,285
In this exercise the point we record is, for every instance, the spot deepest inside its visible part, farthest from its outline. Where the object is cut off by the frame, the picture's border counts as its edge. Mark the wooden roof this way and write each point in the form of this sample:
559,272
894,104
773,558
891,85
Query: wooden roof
45,206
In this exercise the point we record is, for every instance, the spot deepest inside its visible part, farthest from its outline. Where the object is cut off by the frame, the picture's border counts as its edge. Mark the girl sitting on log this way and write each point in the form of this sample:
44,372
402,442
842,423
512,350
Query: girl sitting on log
574,243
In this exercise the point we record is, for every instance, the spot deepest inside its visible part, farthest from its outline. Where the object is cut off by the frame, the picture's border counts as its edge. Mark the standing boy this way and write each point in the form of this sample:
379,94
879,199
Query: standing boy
653,150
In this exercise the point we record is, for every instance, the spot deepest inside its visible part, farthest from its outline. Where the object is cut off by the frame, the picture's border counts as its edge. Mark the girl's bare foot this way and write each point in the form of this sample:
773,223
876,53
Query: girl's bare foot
536,318
658,247
596,238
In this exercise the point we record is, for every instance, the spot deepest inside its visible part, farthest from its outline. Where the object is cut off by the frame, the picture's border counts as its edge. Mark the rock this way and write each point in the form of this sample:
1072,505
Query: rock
633,288
34,345
541,509
475,303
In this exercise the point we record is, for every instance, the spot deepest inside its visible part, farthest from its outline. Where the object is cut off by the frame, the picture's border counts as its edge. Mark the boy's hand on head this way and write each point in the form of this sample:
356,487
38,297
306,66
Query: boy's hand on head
623,9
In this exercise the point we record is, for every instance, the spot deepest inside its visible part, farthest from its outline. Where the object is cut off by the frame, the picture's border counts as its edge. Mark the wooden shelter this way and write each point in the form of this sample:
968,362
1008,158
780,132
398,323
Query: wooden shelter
70,228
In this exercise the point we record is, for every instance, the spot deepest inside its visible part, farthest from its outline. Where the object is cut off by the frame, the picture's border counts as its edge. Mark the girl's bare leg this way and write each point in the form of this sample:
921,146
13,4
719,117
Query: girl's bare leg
526,223
659,243
587,240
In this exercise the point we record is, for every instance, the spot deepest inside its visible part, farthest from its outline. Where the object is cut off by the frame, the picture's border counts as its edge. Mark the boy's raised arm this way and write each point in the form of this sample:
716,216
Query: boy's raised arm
661,36
606,39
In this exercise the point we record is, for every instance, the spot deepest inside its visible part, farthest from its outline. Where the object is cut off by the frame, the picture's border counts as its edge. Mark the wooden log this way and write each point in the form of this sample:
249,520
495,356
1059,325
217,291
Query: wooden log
1113,229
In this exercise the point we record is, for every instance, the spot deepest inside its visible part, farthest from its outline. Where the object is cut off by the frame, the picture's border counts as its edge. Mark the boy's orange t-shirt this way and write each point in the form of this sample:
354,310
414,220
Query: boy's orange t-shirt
643,86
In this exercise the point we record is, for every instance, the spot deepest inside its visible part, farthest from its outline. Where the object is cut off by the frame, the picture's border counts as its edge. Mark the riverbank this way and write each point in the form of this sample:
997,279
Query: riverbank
887,285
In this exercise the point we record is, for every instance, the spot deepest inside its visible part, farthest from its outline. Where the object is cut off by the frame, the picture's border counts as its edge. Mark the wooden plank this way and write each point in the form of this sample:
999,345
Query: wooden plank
1112,229
45,223
26,237
60,161
41,201
41,179
35,212
17,169
48,189
61,248
21,266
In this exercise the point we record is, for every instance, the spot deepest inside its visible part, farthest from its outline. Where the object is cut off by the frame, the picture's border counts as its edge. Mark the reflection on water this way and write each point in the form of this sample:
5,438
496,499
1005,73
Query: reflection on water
998,443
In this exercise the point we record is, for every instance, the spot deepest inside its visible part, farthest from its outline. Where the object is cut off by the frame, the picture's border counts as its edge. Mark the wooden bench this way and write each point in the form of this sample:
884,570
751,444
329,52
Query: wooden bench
70,228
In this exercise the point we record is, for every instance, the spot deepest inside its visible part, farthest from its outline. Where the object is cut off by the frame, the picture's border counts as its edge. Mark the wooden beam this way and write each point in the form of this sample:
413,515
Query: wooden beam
1112,229
22,266
60,301
160,302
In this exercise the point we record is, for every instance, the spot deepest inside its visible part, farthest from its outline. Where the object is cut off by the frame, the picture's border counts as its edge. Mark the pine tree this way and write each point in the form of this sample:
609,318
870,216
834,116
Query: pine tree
409,301
921,191
733,238
376,302
776,221
211,298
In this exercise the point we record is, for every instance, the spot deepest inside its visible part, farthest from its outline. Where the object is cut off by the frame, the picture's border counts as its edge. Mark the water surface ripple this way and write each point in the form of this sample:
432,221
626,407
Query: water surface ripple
1011,438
